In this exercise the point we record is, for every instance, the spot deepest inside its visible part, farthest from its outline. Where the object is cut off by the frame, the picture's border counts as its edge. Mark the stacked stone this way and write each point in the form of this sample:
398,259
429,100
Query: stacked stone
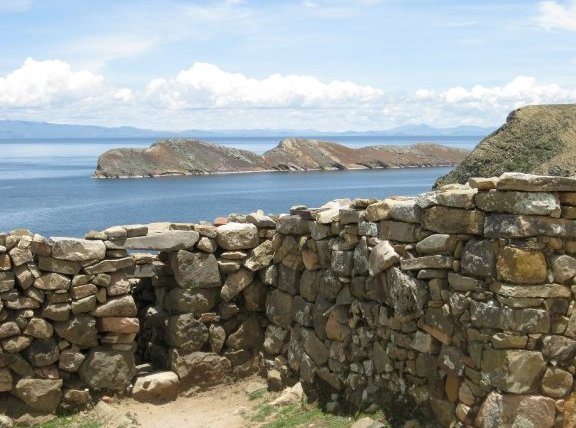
209,314
461,300
65,311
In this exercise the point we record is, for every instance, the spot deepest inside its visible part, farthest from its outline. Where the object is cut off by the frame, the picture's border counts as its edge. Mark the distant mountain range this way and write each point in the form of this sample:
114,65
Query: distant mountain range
15,129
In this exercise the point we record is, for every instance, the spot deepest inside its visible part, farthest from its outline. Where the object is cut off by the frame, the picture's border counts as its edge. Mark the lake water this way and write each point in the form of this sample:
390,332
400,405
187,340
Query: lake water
46,185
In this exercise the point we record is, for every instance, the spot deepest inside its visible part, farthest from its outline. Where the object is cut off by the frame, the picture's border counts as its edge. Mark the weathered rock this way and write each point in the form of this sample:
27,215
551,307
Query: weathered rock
479,258
186,332
235,283
15,343
157,387
557,383
107,266
66,267
342,262
172,240
7,281
119,307
248,336
52,281
514,371
39,394
546,291
9,329
237,236
315,348
5,380
520,226
255,296
274,338
399,231
440,243
563,267
337,324
521,266
107,369
381,258
216,337
279,308
508,411
6,421
195,270
75,400
260,257
464,283
70,360
200,367
535,183
558,348
78,250
453,220
119,325
427,262
302,311
292,225
523,203
456,198
79,330
197,301
42,353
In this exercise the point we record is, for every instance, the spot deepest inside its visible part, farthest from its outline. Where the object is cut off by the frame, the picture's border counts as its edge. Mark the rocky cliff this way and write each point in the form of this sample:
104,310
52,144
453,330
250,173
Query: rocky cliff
191,157
535,139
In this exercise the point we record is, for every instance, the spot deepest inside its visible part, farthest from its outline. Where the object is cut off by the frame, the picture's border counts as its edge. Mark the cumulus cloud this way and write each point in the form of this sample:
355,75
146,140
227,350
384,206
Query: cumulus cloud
205,96
44,83
521,90
488,105
557,15
208,86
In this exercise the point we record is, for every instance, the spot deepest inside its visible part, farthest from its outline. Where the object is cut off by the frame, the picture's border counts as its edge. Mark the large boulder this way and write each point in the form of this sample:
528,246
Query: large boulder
186,332
202,368
107,369
157,387
78,250
42,395
508,411
79,329
237,236
195,270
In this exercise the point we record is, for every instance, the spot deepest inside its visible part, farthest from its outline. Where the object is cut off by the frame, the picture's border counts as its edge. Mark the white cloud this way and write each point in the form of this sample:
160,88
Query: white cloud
208,97
488,105
208,86
42,83
556,15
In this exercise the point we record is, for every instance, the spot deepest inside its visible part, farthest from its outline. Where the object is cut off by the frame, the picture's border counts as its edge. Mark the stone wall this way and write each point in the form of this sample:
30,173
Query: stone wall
458,302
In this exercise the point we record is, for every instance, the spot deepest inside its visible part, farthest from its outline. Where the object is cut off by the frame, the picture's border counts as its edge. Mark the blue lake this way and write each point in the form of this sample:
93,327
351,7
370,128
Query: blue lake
46,185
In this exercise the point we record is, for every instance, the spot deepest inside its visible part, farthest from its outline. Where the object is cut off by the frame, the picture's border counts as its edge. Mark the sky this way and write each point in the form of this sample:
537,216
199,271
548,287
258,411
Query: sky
330,65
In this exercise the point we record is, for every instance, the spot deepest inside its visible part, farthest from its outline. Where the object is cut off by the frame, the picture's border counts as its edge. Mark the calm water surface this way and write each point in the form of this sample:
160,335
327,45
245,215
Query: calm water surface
46,185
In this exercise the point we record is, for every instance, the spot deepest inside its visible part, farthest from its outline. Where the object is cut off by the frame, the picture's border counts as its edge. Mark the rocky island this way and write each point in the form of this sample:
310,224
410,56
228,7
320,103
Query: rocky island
191,157
537,139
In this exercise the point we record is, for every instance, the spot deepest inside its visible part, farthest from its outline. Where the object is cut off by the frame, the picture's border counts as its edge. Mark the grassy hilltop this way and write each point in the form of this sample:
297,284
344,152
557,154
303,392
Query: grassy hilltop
538,139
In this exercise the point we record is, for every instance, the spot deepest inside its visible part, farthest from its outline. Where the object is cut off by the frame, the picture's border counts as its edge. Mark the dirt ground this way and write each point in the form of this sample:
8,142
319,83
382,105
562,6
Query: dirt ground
223,406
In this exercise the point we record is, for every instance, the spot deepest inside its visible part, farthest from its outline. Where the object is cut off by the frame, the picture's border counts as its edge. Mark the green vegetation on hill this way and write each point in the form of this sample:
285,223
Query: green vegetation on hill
534,139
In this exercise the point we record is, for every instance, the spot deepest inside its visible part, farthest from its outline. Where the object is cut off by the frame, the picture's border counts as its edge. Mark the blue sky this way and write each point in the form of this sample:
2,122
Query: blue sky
323,64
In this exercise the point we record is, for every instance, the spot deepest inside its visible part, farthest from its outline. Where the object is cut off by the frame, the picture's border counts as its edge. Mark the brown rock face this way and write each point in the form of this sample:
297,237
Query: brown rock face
191,157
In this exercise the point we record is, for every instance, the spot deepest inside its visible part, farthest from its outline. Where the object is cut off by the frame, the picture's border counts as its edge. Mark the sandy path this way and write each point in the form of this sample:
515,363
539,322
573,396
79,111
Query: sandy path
220,407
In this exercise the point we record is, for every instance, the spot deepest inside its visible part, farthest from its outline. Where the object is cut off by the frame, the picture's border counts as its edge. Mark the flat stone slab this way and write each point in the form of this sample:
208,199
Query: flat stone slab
163,241
535,183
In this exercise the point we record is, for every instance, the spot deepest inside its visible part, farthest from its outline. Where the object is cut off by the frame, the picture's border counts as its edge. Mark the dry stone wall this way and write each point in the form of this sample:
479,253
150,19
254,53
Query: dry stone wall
458,302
